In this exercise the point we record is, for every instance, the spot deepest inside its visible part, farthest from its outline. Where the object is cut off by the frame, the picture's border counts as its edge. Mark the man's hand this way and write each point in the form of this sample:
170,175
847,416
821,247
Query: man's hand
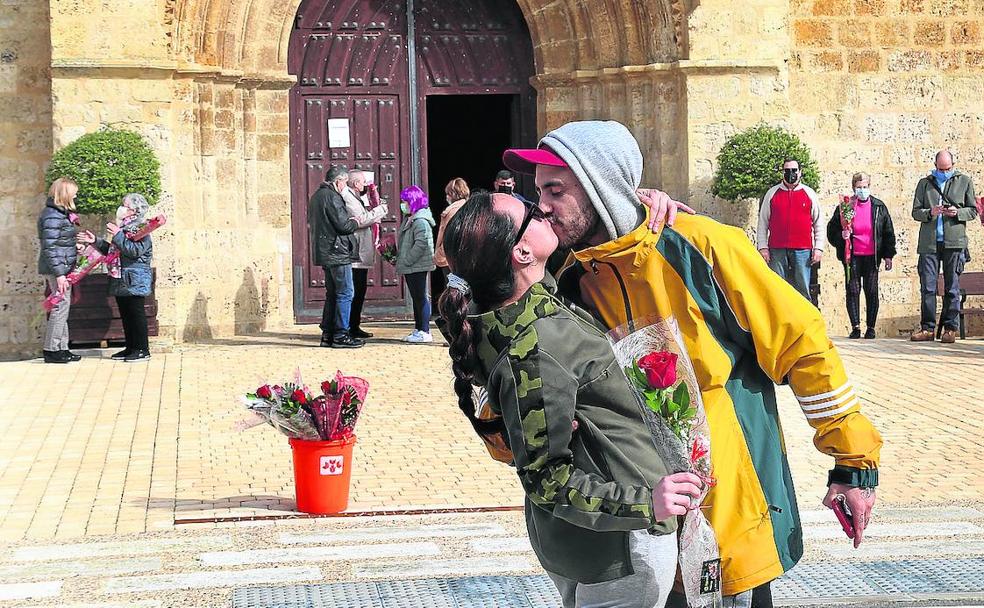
936,211
112,229
765,255
859,500
815,258
950,211
888,264
85,237
63,285
675,495
662,206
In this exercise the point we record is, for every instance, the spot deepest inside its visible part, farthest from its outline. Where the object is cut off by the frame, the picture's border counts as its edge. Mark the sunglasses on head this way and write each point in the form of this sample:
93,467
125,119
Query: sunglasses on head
533,212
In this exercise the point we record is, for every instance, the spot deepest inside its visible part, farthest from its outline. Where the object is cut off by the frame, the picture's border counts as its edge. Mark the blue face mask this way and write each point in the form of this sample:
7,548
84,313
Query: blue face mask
942,175
862,193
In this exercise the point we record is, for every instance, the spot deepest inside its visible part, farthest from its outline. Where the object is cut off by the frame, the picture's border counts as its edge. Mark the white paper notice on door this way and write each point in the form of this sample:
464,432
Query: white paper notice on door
338,133
370,177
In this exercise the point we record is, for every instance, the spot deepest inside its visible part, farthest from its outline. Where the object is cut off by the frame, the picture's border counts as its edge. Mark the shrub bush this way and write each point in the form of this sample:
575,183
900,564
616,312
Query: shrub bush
107,164
746,165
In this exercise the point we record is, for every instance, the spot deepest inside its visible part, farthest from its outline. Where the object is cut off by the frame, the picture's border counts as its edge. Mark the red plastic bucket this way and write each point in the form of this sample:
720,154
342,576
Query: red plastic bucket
322,472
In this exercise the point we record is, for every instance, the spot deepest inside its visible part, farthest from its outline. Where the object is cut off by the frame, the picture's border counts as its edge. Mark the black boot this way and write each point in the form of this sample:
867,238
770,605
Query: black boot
357,332
870,334
71,356
54,356
347,341
326,341
855,333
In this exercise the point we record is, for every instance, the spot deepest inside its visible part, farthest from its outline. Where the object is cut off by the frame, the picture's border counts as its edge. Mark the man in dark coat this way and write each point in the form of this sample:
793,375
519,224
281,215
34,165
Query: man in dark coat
334,248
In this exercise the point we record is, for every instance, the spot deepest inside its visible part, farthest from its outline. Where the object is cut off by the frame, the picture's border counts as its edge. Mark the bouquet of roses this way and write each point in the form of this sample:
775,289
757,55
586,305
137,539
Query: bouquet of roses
387,249
652,355
847,218
296,412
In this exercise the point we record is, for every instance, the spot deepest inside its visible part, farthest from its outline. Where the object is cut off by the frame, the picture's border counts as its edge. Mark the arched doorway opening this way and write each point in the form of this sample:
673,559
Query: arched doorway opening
415,91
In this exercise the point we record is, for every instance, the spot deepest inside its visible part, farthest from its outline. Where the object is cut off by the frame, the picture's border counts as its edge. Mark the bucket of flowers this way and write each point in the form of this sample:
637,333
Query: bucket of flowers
321,431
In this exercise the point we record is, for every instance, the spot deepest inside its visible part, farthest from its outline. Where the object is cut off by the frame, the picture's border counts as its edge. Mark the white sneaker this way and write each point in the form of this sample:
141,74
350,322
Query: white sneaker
420,337
411,337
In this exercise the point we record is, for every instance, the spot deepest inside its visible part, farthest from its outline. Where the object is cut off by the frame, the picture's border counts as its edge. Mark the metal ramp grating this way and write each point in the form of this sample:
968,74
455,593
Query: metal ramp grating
820,580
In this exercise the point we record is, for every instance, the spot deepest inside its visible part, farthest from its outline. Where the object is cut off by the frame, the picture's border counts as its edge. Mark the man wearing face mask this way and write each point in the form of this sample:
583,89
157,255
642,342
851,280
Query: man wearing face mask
790,234
505,183
944,203
334,249
356,197
871,238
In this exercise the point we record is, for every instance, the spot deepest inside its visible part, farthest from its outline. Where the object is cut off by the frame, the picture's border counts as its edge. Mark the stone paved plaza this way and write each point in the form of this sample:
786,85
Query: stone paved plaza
130,484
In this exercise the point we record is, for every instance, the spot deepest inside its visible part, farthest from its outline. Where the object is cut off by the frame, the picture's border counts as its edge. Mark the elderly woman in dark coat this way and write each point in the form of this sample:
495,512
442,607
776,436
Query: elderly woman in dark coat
56,236
130,281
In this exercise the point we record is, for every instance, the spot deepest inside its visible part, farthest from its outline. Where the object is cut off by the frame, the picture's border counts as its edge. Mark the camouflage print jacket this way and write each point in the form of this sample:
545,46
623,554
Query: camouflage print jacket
544,366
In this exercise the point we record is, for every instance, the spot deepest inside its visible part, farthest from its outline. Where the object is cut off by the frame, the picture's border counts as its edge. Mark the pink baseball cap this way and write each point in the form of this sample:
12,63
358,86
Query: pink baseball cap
525,161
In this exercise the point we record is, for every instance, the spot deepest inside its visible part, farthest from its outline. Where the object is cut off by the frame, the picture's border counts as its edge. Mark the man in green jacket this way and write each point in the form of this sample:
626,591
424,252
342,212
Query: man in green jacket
944,203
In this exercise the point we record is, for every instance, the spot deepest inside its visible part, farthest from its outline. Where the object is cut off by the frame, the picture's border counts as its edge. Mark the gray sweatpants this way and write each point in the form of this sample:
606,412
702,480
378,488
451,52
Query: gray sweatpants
654,560
56,333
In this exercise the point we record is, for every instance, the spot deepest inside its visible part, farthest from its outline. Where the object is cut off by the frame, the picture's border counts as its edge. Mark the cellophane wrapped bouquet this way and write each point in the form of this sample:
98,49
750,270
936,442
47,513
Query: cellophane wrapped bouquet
294,410
652,355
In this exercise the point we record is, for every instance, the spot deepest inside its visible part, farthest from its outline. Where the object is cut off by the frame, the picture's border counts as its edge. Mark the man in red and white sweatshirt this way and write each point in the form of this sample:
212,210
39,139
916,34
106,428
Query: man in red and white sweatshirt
790,234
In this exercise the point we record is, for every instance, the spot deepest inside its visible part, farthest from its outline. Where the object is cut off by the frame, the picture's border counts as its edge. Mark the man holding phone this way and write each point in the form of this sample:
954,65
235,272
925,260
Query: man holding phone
944,202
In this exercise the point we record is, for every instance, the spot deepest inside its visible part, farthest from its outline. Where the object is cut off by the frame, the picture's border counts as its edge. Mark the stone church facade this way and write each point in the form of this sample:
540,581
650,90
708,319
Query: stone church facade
872,85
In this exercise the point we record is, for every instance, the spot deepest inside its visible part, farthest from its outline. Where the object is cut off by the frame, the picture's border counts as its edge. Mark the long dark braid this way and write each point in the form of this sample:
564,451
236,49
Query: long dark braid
478,244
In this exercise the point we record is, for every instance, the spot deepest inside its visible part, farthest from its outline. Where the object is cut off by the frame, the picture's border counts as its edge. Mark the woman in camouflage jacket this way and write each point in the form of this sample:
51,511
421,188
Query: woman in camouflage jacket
599,504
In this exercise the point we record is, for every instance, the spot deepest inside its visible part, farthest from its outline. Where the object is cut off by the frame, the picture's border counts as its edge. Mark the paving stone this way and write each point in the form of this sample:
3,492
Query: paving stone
23,591
97,567
877,530
139,547
204,580
394,533
317,554
431,568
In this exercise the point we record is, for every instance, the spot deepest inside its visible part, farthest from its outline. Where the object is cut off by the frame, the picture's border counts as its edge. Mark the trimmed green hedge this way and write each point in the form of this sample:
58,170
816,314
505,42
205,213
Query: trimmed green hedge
746,165
107,164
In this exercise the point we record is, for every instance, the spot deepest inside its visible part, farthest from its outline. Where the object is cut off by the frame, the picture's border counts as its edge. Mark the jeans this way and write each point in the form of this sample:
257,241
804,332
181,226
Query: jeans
360,279
864,272
654,560
134,322
794,266
417,286
759,597
56,331
339,292
929,269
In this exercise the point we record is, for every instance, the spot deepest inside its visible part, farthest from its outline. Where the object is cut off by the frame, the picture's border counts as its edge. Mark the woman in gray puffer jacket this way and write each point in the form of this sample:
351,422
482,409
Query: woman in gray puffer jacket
415,258
56,236
130,281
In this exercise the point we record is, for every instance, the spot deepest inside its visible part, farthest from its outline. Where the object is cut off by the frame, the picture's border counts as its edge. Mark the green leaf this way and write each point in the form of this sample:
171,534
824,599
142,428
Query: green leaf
746,163
682,395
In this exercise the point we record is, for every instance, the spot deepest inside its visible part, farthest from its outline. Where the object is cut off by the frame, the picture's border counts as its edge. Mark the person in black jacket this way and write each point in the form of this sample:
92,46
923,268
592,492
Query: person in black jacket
334,248
872,239
56,235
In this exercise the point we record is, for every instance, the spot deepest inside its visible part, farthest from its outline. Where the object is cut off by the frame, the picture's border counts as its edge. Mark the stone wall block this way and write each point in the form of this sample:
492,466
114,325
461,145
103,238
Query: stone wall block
910,61
869,7
863,61
854,33
914,129
912,6
974,60
965,33
272,147
891,32
929,33
949,61
813,33
828,61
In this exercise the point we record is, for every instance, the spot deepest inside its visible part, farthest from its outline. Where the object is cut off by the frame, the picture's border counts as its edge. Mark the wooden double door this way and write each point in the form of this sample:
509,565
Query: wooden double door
357,104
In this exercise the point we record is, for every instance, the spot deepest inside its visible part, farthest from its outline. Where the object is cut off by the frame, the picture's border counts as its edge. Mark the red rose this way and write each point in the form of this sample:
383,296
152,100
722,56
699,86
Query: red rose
299,396
660,369
264,392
